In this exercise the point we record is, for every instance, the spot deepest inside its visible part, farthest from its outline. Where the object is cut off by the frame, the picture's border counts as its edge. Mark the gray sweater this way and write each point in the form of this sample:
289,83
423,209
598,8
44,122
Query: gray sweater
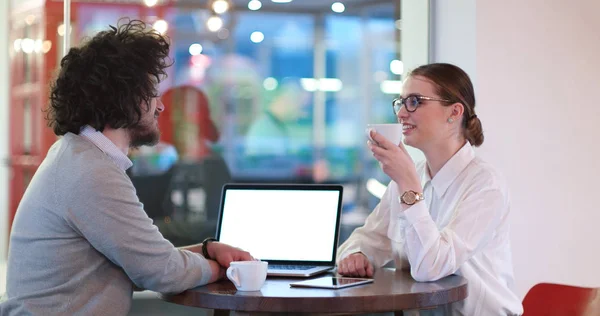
81,240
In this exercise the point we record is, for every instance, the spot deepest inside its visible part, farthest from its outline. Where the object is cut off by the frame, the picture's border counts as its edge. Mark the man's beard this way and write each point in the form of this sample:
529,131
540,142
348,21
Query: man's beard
143,135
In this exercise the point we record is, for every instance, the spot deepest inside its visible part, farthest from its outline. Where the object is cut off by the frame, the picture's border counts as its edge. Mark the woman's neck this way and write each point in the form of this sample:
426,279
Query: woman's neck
439,154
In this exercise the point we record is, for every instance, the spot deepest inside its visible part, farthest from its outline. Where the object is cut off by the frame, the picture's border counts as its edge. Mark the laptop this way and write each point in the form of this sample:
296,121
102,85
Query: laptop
294,227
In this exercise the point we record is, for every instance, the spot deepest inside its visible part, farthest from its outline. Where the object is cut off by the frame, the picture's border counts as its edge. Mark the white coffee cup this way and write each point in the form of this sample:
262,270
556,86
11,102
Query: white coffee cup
247,275
393,132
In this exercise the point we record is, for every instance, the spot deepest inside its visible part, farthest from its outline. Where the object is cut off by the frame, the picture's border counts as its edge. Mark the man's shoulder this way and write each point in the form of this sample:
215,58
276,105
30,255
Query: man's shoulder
76,150
82,170
74,158
77,144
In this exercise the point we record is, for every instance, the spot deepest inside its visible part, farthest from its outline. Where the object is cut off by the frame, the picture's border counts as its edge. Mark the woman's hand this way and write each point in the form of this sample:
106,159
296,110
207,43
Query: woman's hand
356,265
395,161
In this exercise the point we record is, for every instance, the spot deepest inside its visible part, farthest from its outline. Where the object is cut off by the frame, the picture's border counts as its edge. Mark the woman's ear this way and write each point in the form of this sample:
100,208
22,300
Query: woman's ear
457,110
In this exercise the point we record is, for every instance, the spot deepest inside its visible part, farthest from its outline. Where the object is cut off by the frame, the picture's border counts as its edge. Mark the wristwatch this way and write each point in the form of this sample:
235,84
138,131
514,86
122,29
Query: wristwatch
205,246
411,197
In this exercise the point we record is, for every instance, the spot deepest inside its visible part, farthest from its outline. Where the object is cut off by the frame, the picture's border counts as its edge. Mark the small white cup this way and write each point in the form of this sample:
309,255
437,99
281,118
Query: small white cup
393,132
247,275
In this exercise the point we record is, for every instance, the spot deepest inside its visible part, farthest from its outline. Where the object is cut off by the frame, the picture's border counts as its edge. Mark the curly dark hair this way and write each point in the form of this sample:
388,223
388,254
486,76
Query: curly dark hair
107,80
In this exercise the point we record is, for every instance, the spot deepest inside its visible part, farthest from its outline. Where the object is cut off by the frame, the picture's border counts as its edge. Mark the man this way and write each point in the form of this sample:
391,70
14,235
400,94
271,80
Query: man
81,241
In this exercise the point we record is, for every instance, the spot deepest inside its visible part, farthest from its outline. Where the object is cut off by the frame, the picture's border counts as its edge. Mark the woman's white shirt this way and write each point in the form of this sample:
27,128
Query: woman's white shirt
460,228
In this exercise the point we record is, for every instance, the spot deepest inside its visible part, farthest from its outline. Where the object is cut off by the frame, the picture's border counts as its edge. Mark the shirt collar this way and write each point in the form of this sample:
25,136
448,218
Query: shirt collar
107,146
453,167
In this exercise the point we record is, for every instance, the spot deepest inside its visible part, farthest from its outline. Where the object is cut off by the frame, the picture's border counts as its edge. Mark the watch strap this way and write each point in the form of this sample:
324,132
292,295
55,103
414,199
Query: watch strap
205,243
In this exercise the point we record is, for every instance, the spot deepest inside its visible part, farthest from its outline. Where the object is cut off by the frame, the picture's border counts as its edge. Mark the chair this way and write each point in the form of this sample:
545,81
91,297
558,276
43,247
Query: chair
547,299
208,175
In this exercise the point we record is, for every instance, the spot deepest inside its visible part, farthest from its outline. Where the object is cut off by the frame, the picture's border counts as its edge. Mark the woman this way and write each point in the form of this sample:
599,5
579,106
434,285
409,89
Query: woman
189,124
446,215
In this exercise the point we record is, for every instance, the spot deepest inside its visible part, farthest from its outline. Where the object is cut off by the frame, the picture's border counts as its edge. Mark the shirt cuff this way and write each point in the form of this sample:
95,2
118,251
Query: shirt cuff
416,213
205,269
347,252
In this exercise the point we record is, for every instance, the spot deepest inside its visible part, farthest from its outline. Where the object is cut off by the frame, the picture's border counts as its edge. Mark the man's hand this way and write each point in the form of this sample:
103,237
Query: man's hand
355,265
225,254
218,272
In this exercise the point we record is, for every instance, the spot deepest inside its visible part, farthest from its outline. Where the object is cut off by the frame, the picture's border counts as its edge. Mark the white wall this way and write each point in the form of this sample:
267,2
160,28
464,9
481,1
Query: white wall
4,100
415,30
453,34
538,87
539,79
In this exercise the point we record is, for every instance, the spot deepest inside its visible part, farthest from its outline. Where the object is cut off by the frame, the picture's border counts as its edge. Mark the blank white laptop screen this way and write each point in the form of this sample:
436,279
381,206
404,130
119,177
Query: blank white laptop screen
287,225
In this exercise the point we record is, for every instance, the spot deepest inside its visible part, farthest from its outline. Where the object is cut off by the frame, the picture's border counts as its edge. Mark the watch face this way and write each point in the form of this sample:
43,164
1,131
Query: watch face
409,197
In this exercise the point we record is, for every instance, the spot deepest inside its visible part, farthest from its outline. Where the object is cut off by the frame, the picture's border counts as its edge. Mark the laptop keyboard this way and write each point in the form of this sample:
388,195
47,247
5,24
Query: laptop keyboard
289,267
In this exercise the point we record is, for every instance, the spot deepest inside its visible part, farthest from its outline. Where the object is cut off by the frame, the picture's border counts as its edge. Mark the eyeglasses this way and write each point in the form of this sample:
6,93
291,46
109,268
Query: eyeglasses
412,102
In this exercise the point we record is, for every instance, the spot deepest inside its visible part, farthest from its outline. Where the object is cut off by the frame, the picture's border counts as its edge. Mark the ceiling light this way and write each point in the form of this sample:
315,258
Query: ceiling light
17,45
309,84
61,30
254,5
220,6
376,188
37,46
391,87
214,23
195,49
27,45
281,1
30,19
257,37
397,67
161,26
270,84
46,45
330,84
323,84
338,7
150,3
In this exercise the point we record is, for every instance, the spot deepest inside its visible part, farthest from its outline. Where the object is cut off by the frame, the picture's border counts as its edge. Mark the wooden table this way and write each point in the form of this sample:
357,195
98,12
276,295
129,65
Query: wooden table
392,291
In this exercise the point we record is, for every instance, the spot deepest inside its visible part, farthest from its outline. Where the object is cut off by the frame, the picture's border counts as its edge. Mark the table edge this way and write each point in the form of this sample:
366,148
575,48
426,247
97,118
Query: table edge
353,304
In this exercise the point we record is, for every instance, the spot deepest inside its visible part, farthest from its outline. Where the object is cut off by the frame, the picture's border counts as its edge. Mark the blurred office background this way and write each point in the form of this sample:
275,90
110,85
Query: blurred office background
271,91
281,92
